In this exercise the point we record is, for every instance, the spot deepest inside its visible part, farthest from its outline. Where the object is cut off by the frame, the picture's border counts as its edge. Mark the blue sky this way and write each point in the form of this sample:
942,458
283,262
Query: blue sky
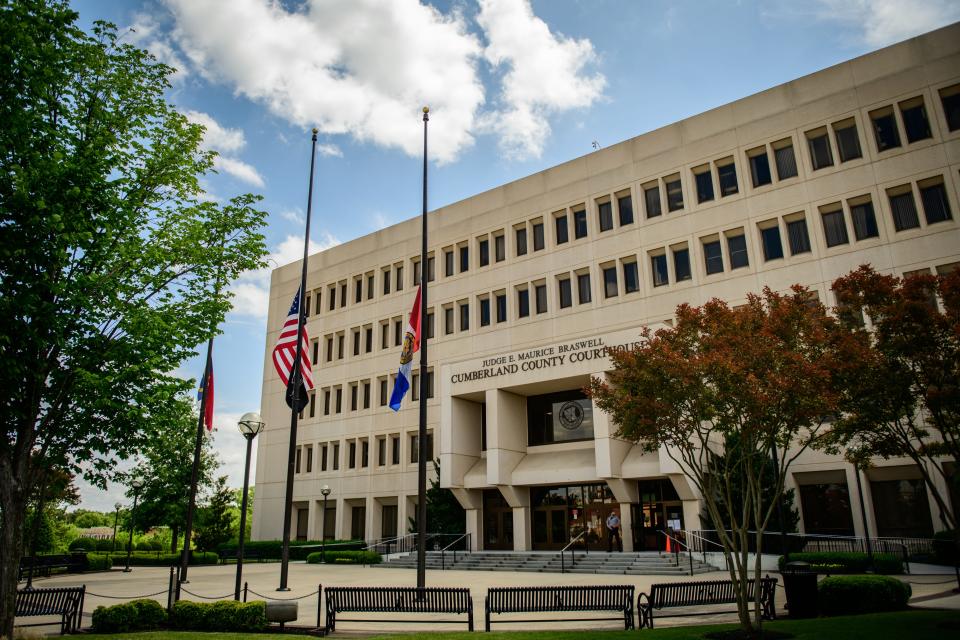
515,87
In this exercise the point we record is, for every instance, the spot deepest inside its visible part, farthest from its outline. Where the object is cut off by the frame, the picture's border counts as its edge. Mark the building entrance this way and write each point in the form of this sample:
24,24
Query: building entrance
660,510
561,514
497,521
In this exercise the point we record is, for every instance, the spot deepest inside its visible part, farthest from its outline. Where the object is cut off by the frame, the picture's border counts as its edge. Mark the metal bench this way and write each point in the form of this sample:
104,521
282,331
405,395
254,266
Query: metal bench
41,565
429,600
247,555
700,594
557,599
66,602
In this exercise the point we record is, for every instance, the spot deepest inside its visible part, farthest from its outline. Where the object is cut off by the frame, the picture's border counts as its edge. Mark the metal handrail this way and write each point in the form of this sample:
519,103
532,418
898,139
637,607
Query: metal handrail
388,541
676,553
586,549
443,552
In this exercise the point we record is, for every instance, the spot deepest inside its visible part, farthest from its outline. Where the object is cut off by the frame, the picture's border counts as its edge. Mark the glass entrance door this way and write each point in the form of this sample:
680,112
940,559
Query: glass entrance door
550,527
660,511
497,521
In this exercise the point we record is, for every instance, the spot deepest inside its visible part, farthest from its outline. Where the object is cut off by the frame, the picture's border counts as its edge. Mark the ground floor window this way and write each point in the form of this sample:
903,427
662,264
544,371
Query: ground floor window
497,521
659,512
901,508
358,523
826,509
388,527
564,513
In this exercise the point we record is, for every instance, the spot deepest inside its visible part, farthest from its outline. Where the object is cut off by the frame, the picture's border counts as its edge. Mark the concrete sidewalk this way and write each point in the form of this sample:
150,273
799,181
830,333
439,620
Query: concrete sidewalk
215,582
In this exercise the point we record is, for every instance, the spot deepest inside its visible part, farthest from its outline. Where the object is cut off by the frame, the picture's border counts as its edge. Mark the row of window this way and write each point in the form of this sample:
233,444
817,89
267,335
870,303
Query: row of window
361,395
357,453
906,119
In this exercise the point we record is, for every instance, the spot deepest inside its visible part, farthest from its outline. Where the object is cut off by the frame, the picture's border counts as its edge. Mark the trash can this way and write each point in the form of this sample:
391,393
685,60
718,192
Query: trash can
800,583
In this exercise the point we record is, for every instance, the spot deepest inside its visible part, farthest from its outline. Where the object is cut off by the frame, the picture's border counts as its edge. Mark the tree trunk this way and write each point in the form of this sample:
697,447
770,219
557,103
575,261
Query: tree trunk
14,506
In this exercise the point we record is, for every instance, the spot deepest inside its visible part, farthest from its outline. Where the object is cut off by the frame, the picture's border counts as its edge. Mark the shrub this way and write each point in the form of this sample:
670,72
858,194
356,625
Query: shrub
99,562
270,549
83,544
104,545
142,546
848,562
224,615
346,557
844,595
155,545
136,615
154,559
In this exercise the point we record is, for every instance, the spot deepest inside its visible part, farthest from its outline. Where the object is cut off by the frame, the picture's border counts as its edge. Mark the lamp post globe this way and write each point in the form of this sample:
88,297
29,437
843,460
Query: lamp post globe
324,491
249,425
136,484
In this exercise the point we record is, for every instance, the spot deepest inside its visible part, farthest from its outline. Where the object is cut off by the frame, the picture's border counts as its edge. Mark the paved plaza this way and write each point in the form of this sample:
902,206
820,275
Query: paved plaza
931,589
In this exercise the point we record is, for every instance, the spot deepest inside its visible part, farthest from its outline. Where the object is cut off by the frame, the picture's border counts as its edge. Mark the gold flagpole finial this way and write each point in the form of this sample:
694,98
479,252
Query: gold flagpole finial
316,131
426,109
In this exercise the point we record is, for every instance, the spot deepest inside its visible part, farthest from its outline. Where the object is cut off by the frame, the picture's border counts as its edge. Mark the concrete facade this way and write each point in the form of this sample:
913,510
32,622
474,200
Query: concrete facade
718,206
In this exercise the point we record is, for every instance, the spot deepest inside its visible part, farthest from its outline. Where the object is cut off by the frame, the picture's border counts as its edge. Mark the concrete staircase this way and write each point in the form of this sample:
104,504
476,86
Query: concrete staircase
640,563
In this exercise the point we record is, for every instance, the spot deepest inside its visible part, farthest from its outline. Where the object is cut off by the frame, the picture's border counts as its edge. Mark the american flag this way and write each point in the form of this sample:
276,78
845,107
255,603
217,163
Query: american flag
285,350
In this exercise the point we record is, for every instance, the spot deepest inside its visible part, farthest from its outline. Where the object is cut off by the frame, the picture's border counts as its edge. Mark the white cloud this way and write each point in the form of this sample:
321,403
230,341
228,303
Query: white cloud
217,137
239,169
380,221
884,22
545,74
251,291
329,150
147,33
293,215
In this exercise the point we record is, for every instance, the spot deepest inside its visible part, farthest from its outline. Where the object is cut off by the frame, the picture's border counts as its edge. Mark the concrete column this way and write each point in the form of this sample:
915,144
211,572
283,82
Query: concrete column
474,528
339,530
851,476
506,434
626,526
609,451
460,424
373,519
311,519
522,540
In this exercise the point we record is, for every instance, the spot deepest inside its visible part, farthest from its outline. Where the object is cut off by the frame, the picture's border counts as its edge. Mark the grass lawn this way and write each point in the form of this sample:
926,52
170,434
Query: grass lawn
915,625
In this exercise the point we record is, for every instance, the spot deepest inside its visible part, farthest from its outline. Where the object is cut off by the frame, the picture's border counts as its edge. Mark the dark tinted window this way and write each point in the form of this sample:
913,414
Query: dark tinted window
864,221
658,265
737,247
562,234
936,208
904,211
583,287
651,197
760,170
915,122
848,142
521,241
631,277
484,252
772,248
950,97
834,228
786,162
674,195
448,320
580,224
566,293
704,187
538,236
727,174
798,236
681,264
885,131
464,259
540,291
523,302
820,153
625,208
559,417
484,312
464,317
713,257
610,282
448,263
605,214
500,248
501,307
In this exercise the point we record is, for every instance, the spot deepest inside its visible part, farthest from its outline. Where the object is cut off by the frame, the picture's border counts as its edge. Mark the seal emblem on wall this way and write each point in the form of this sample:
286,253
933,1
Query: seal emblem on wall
571,415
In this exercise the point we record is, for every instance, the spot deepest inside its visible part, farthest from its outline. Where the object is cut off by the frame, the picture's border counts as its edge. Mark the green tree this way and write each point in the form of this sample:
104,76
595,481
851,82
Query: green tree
89,519
904,397
444,512
166,464
214,520
750,377
110,256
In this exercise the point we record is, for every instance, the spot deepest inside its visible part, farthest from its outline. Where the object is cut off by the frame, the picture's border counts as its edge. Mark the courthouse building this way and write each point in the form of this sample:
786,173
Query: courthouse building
533,281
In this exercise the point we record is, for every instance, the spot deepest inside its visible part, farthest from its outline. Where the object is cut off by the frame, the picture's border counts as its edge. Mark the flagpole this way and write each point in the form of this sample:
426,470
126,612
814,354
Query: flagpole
195,471
295,381
422,437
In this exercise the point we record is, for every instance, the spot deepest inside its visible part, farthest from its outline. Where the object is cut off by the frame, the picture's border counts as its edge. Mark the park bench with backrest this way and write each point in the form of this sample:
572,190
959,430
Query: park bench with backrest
701,594
503,600
66,602
42,565
431,600
233,555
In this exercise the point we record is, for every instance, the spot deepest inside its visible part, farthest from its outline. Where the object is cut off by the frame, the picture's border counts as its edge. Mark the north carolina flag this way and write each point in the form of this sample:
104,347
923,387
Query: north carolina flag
411,344
206,389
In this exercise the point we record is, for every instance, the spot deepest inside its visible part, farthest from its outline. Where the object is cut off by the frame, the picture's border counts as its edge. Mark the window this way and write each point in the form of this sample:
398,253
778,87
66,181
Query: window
323,457
398,272
381,452
785,159
834,226
770,238
397,332
356,342
309,458
713,256
353,397
915,123
370,286
484,312
950,98
681,264
566,293
464,258
674,193
352,454
798,236
340,344
610,282
631,277
521,235
737,248
417,275
885,129
864,220
299,455
415,387
727,175
464,316
383,392
448,263
820,154
848,142
759,167
336,456
343,295
651,198
332,297
365,453
366,394
329,348
448,320
540,293
394,449
580,224
338,406
306,304
484,252
625,209
658,265
904,208
583,287
385,275
523,302
431,268
936,208
358,290
500,248
501,301
430,325
384,335
704,182
368,340
561,228
316,351
415,448
605,215
545,423
313,404
538,240
326,402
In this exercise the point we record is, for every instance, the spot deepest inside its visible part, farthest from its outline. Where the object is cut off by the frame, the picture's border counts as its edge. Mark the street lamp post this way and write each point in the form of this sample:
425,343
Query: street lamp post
250,425
136,485
116,517
325,490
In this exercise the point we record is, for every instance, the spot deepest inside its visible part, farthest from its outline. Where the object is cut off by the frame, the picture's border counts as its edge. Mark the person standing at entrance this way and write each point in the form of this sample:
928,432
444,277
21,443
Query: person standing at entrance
613,531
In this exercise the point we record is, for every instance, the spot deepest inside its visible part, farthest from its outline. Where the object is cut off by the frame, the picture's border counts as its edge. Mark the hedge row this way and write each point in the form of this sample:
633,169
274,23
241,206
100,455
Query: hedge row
851,595
346,557
141,559
99,562
92,544
149,615
271,549
848,562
